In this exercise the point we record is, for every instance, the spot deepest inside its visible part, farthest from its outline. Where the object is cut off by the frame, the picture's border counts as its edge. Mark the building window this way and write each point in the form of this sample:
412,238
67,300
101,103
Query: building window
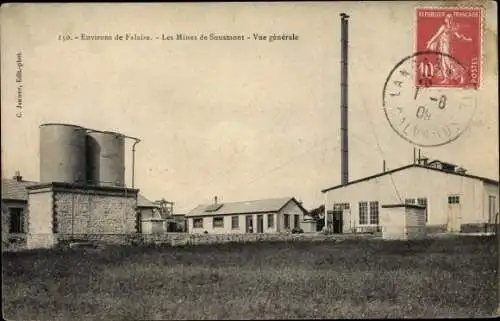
218,221
363,213
341,206
422,201
368,215
492,209
374,213
16,220
198,222
235,222
270,220
286,220
296,222
453,199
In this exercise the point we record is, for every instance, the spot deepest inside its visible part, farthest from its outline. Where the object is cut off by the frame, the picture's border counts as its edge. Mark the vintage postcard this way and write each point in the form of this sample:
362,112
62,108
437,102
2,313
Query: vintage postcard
251,160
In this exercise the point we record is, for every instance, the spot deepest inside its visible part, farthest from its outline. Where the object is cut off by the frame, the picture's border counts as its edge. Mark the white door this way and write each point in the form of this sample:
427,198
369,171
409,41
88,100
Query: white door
346,220
454,213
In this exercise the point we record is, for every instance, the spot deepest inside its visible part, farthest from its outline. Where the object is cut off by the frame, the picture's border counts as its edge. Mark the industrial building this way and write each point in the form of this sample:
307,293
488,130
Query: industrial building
454,200
15,209
15,204
433,196
159,216
174,222
81,193
259,216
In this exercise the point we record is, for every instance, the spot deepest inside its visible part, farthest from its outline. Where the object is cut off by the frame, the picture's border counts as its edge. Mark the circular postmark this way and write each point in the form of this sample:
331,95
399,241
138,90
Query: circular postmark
423,111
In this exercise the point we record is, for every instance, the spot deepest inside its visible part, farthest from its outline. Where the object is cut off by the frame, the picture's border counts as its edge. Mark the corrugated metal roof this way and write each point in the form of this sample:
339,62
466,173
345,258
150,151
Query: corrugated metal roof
15,190
257,206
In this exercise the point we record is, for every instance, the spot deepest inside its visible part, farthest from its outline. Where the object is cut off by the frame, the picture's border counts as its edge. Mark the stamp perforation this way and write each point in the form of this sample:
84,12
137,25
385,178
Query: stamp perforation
480,41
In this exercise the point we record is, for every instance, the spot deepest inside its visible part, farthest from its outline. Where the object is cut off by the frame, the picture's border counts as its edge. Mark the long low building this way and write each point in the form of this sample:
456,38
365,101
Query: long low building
454,200
260,216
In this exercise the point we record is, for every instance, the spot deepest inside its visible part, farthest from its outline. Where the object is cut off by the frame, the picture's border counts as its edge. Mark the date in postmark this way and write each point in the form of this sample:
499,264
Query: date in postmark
455,33
426,115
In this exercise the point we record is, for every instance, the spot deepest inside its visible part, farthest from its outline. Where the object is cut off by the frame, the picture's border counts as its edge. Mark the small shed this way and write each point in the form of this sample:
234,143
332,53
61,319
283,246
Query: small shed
153,226
308,225
402,222
151,220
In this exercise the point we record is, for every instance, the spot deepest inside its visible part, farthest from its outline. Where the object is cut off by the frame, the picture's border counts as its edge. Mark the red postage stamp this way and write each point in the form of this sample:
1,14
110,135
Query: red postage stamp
454,35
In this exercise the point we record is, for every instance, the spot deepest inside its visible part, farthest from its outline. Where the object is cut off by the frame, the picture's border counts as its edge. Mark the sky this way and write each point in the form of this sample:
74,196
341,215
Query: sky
242,120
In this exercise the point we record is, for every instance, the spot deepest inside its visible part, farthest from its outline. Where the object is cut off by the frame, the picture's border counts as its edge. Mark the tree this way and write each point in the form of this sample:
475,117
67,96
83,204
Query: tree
318,214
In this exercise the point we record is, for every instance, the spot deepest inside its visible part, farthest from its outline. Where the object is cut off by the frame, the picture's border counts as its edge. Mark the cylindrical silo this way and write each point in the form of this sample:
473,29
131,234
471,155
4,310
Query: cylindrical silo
105,158
62,153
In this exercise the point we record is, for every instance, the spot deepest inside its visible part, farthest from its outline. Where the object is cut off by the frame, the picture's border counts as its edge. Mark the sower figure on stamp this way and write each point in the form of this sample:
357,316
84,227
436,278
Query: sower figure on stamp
449,69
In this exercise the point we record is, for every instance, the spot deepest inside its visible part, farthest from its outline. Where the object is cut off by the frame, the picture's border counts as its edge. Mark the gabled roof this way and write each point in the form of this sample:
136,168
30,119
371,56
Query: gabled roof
13,189
270,205
144,202
483,179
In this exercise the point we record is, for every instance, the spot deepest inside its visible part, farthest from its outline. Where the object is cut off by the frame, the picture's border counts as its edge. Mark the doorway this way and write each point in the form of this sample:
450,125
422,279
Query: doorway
16,220
260,224
454,214
337,221
249,224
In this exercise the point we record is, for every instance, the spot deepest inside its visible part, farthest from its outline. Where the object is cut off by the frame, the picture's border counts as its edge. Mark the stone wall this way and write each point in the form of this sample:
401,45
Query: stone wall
436,228
5,224
478,228
121,239
13,242
176,239
89,213
61,208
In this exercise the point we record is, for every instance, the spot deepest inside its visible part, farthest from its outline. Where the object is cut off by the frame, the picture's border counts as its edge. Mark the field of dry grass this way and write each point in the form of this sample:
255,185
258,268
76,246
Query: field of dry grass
351,279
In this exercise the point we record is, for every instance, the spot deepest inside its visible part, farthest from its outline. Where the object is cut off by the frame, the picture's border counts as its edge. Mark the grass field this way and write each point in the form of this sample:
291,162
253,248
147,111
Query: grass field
350,279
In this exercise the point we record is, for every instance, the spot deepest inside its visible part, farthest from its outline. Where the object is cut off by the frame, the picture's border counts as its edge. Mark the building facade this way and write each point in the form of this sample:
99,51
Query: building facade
454,201
149,215
15,205
260,216
64,211
177,223
43,213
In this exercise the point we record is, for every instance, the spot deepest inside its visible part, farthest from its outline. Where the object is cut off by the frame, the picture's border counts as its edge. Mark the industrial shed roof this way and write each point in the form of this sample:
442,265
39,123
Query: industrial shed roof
483,179
258,206
144,202
13,189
